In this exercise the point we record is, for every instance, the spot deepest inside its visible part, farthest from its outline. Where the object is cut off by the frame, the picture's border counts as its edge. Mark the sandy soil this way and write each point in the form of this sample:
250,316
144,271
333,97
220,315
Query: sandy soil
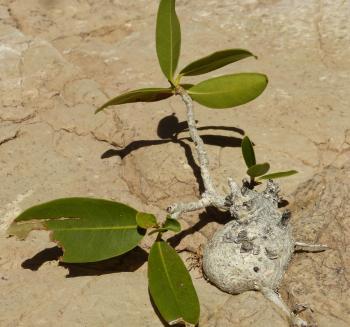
59,60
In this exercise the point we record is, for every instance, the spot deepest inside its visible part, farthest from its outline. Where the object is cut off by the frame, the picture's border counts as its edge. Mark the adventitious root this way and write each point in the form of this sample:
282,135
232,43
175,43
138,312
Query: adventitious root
300,246
195,261
276,299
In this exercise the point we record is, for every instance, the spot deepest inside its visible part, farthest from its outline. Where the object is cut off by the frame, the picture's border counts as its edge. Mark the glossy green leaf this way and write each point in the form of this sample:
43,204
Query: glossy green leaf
171,286
279,174
141,95
248,152
168,38
258,170
145,220
172,225
214,61
229,90
87,229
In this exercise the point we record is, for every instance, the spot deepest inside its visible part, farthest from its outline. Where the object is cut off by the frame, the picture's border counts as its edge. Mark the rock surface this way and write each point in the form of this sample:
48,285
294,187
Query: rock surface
59,60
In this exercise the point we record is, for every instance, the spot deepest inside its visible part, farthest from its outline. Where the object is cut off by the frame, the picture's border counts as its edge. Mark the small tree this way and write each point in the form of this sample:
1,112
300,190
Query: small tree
251,252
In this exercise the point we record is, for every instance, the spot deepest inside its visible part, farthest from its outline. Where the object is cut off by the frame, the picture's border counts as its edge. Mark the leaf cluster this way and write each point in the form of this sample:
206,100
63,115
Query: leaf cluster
90,230
259,169
220,92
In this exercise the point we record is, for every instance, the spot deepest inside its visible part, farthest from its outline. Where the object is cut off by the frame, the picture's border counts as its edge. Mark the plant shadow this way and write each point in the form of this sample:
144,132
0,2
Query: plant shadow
211,214
127,262
168,131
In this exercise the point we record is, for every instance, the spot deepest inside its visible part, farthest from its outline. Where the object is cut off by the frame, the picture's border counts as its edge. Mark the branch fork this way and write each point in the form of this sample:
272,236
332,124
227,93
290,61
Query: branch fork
210,196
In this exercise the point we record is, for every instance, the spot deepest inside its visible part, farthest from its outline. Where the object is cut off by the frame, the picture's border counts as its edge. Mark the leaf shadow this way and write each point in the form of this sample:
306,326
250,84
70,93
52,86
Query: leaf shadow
168,130
128,262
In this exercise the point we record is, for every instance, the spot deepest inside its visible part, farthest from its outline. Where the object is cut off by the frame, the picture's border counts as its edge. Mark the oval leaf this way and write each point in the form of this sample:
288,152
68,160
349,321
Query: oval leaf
151,94
168,38
145,220
87,229
248,152
258,170
229,90
279,174
172,225
214,61
171,286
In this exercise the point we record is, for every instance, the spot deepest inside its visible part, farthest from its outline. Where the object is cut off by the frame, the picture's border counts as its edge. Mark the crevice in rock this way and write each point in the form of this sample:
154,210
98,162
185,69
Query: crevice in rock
10,138
19,120
319,37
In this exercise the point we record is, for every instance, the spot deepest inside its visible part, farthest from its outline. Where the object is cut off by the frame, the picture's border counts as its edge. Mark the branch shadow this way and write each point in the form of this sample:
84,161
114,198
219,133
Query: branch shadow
127,262
168,131
210,214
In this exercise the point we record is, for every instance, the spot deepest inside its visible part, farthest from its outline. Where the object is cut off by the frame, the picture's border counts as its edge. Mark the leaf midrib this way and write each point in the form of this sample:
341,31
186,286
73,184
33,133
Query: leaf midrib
96,228
208,93
210,64
169,279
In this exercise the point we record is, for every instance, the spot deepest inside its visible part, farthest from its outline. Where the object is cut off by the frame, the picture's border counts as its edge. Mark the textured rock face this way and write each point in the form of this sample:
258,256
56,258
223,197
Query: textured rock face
321,213
252,251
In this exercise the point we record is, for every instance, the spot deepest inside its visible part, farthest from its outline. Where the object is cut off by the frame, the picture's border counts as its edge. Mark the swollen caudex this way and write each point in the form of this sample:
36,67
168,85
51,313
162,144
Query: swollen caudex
252,251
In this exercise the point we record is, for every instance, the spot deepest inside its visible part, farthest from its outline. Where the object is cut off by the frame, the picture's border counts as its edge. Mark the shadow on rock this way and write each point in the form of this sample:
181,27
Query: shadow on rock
127,262
211,214
168,131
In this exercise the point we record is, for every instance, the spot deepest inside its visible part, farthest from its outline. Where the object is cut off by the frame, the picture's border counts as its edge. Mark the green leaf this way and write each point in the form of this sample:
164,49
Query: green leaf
214,61
172,225
145,220
168,38
87,229
171,286
151,94
229,90
248,152
258,170
279,174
